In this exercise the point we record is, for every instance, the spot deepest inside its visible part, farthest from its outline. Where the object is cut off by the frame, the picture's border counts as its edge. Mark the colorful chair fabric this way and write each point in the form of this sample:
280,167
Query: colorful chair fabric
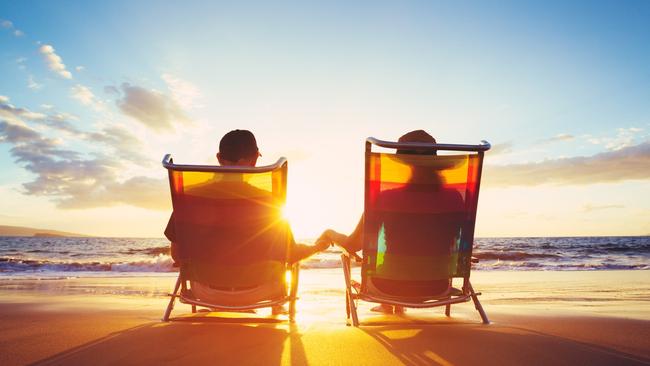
233,242
418,228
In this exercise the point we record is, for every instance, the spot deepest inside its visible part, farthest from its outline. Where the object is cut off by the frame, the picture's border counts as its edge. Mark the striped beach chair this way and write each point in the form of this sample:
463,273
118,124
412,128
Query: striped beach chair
233,242
418,226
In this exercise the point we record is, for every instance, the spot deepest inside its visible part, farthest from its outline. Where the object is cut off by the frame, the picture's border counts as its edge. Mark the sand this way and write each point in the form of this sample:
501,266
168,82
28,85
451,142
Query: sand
591,318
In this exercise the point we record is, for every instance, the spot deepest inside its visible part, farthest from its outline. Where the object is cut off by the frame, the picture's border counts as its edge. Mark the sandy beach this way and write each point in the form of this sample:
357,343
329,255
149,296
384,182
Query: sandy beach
595,318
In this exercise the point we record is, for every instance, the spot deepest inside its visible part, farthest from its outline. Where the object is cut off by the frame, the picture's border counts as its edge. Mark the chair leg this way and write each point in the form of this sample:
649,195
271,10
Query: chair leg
173,295
352,309
295,270
477,304
448,310
193,309
347,305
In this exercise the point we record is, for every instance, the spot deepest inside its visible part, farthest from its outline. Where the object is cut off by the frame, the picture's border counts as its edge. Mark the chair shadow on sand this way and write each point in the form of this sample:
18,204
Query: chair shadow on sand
412,340
193,340
460,342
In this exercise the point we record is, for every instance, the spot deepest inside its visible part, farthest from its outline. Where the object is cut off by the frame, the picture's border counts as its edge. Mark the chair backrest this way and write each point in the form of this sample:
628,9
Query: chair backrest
228,222
419,217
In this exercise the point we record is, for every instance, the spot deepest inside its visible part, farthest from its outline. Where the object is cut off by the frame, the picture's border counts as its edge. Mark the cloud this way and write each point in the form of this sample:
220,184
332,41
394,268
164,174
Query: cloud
21,63
625,137
112,90
628,163
183,92
120,140
84,95
502,148
68,177
557,138
79,68
7,24
32,84
18,116
589,207
124,144
140,191
54,61
152,108
61,121
10,112
73,181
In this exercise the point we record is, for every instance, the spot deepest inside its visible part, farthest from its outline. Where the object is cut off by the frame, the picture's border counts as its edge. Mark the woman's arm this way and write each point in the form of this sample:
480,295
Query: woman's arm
351,243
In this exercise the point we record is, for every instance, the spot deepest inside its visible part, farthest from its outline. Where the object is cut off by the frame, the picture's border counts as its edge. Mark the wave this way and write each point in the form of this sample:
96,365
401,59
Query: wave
160,263
534,266
165,250
514,256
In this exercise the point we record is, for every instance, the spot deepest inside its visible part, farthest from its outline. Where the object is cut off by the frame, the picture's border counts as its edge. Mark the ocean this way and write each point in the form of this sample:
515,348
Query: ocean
52,257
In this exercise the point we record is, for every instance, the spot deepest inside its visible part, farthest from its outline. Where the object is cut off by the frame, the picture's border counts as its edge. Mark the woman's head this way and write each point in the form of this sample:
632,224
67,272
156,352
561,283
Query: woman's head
417,136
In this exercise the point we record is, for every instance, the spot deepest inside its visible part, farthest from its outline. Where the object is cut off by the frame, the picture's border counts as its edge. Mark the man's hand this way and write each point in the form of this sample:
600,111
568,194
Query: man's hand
323,242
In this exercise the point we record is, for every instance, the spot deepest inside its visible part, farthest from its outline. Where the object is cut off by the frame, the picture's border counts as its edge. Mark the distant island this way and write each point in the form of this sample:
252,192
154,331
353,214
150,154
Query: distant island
30,231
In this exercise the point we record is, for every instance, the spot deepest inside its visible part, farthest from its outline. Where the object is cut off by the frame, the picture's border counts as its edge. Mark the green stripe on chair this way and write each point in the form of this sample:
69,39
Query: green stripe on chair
413,268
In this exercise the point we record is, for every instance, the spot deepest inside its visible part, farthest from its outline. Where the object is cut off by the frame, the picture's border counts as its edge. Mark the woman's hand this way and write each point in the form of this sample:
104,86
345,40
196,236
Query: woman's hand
324,241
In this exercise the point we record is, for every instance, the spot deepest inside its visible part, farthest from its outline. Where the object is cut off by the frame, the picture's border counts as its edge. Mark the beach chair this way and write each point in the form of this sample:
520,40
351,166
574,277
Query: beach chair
233,243
418,226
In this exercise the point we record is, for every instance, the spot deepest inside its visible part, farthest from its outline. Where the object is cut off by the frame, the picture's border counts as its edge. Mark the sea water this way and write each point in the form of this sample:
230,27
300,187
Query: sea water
47,257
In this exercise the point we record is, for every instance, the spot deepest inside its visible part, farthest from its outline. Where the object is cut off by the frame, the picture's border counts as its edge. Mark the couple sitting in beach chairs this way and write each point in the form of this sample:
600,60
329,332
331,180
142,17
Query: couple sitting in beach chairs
234,248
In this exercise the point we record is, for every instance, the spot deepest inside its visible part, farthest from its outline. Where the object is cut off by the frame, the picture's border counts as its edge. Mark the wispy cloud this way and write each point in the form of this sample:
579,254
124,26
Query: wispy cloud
557,138
590,208
502,148
32,84
12,113
21,63
625,137
628,163
186,94
123,143
84,95
54,61
7,24
150,107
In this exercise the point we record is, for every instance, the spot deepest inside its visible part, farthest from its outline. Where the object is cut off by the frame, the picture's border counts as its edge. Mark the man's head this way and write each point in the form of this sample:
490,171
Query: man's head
238,147
417,136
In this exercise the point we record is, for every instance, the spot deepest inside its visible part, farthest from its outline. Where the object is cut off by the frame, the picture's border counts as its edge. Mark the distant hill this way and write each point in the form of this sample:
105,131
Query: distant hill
30,231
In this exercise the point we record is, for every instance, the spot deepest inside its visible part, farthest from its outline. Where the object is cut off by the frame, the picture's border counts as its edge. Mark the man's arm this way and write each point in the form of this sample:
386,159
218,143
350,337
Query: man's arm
302,251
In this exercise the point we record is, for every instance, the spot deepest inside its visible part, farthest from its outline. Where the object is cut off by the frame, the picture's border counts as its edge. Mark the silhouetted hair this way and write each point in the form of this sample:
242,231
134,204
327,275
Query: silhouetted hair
417,136
238,144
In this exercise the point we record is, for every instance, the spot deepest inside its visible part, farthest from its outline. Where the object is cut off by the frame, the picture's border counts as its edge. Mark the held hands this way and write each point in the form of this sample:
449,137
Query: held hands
324,241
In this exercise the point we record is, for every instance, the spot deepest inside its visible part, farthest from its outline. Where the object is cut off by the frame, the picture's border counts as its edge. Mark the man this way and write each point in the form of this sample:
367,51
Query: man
258,236
239,148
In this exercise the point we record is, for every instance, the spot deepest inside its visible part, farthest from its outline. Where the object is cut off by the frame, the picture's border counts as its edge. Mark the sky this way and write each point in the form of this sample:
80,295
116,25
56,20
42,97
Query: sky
93,94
